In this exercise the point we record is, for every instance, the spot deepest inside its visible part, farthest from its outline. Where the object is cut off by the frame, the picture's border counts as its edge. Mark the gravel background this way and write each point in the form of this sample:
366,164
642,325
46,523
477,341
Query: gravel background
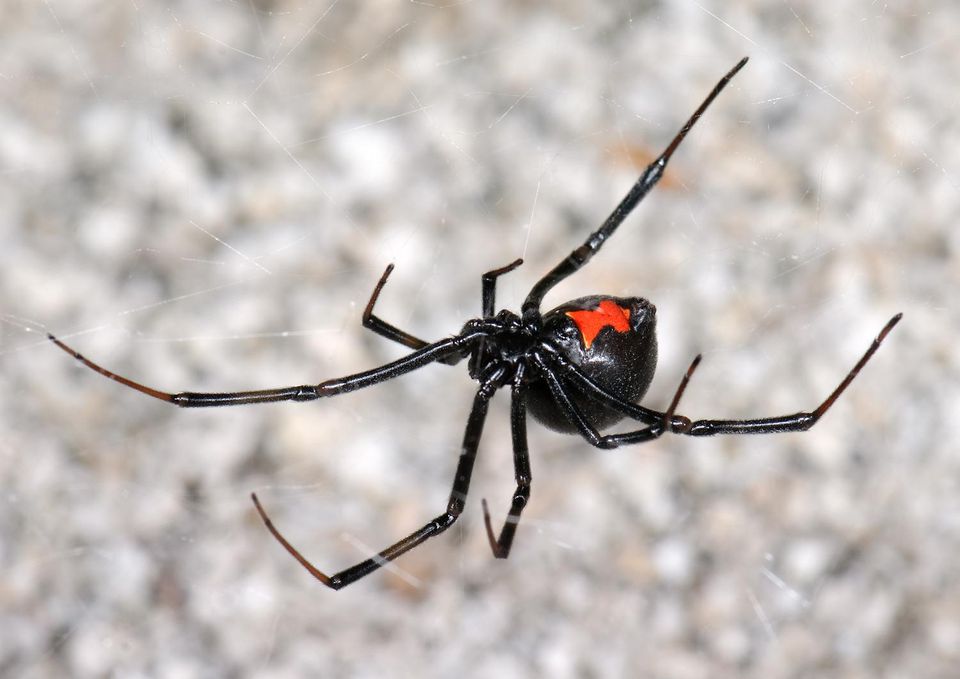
201,195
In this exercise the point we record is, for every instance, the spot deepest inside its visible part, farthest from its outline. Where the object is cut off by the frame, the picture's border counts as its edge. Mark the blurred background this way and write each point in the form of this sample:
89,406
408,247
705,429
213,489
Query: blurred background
201,195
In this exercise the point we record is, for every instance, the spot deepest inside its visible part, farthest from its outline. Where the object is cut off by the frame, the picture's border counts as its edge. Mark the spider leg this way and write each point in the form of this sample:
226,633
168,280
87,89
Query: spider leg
648,179
381,327
488,293
633,410
391,332
488,286
589,432
455,505
798,421
430,353
683,425
521,469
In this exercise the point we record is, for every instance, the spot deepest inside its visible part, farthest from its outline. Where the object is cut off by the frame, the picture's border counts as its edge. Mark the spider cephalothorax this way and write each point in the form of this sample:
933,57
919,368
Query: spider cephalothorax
578,369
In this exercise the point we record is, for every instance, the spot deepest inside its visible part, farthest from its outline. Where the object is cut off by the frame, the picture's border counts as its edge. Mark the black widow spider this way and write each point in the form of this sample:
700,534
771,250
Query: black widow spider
578,368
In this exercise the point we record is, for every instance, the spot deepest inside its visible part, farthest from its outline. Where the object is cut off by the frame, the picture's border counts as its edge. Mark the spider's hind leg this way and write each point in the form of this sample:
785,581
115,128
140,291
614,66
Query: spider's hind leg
657,428
797,421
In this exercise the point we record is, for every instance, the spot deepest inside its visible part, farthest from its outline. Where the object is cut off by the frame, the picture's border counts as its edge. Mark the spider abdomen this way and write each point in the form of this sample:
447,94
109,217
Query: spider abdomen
613,340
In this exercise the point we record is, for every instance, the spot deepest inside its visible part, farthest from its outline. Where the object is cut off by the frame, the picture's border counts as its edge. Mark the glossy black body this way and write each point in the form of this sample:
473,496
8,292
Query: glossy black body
545,361
622,363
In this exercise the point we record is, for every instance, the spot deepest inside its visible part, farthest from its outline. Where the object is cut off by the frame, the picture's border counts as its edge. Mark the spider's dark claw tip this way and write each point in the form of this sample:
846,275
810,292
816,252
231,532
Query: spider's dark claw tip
889,326
733,71
56,341
384,276
736,69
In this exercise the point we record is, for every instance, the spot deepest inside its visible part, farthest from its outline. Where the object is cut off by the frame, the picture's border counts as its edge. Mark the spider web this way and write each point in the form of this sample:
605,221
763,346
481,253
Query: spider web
202,195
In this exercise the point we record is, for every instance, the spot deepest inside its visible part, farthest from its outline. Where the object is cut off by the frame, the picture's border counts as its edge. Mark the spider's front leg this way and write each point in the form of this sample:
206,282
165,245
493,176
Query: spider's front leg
455,346
455,505
488,285
380,326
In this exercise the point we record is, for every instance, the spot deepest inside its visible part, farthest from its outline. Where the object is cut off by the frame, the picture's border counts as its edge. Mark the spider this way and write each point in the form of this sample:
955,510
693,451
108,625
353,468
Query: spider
577,369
